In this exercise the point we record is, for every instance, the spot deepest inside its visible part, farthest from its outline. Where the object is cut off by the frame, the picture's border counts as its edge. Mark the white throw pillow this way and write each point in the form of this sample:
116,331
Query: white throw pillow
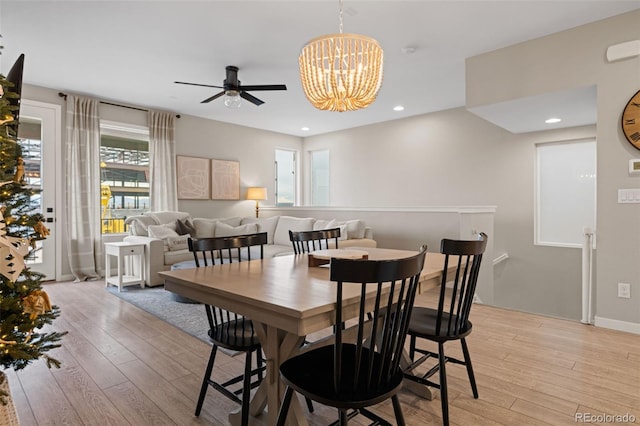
224,230
167,217
178,243
205,228
331,224
162,231
267,225
355,228
287,223
138,224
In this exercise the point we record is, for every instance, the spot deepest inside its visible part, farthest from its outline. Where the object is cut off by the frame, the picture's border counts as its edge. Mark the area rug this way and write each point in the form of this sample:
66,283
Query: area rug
188,317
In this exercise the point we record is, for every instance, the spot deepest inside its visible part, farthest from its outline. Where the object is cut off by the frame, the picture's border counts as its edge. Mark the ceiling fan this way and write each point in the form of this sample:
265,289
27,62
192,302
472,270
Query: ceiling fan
234,90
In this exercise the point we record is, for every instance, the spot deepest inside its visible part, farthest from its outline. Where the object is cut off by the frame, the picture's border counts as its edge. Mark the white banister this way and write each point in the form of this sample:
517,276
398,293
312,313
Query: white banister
587,275
501,258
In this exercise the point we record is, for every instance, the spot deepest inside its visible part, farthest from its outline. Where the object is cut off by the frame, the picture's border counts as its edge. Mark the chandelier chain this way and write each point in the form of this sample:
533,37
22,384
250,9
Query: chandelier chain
340,16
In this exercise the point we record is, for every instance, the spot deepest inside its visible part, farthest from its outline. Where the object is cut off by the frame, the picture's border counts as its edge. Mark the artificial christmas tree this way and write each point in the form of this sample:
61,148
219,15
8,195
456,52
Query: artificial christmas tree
24,307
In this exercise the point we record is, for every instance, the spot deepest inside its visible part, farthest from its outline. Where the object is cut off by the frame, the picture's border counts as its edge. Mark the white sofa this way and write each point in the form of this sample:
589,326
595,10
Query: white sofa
165,235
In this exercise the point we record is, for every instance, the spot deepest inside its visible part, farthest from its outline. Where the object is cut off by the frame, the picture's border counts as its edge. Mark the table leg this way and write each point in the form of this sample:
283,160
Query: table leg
278,346
416,388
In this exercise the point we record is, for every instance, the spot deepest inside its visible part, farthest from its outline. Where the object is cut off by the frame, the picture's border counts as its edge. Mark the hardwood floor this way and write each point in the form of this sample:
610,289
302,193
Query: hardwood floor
123,366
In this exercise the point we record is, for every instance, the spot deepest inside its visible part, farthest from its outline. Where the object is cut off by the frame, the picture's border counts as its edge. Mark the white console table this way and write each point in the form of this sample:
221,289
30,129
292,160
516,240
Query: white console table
121,250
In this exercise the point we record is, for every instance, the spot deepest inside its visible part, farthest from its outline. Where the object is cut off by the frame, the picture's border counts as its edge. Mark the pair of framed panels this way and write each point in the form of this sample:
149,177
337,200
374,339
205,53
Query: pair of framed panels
207,179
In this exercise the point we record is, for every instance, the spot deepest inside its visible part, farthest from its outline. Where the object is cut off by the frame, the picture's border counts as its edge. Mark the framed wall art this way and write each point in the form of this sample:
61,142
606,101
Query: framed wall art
225,180
193,178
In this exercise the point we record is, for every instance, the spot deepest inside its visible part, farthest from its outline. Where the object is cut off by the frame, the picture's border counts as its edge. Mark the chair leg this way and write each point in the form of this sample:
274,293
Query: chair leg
443,385
246,390
259,363
412,348
343,417
467,361
397,410
205,381
284,407
309,405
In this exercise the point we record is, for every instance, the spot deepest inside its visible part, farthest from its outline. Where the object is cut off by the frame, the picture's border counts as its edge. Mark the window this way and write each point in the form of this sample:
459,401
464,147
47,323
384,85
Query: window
124,174
285,177
566,192
319,177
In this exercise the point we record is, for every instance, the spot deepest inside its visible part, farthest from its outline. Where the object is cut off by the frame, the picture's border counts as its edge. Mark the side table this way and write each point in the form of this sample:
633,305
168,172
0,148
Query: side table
122,250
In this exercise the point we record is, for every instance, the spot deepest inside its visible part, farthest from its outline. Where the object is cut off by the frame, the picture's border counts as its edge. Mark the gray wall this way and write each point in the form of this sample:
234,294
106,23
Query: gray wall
570,59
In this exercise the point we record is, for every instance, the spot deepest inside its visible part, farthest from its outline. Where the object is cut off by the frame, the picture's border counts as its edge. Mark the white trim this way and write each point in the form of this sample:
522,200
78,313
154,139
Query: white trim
124,130
629,327
58,199
436,209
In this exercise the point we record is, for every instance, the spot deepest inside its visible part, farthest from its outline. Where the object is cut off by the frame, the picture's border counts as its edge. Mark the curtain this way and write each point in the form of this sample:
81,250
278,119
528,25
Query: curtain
83,187
162,165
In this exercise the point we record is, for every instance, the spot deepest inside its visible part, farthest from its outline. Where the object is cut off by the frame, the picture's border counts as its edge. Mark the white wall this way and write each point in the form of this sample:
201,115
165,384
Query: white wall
571,59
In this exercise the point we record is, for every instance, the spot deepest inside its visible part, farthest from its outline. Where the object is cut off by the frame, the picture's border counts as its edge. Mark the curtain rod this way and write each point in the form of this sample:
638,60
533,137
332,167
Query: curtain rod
64,95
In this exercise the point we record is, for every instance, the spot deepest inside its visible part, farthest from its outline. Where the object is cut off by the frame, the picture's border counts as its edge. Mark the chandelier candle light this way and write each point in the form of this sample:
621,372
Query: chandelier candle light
341,72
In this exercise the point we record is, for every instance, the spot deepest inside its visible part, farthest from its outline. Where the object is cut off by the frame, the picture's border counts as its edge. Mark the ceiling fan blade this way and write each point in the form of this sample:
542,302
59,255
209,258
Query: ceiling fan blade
216,96
251,98
264,87
196,84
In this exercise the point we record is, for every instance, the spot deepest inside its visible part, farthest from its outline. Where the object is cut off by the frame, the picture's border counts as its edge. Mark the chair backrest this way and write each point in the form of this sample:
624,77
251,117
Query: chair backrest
207,250
455,302
308,241
373,361
227,329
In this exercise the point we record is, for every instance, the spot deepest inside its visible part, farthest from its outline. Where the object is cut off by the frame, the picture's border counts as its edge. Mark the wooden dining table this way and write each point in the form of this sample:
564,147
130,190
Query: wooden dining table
287,300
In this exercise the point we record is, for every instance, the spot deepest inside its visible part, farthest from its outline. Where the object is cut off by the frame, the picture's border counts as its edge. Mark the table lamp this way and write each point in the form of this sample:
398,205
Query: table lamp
257,193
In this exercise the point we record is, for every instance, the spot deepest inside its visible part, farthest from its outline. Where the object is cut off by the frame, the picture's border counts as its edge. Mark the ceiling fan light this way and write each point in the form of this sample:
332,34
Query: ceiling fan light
232,99
341,72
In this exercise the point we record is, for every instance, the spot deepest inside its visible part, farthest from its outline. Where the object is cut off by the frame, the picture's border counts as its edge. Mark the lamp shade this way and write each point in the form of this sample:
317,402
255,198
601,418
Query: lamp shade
256,193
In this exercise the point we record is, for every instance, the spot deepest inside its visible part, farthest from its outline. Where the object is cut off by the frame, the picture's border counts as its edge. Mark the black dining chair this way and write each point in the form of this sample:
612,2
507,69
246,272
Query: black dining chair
362,367
308,241
450,321
227,329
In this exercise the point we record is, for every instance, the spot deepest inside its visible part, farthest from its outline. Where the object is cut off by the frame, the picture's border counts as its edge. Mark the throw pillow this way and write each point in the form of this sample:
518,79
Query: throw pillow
185,226
167,217
355,228
178,243
287,223
162,231
330,224
138,224
264,225
224,230
204,228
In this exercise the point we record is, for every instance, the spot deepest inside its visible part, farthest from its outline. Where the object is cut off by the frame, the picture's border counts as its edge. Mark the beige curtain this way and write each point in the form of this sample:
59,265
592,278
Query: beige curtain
162,164
83,187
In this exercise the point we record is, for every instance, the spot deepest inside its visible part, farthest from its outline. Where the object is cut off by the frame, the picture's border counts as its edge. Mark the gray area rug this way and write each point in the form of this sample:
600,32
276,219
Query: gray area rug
188,317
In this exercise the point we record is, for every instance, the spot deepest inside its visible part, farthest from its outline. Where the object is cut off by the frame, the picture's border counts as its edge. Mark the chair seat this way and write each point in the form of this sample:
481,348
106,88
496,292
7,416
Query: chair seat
235,335
311,374
423,324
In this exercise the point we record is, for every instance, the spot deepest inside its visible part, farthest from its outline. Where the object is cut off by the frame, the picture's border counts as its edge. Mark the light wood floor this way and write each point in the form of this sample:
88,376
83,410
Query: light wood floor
124,366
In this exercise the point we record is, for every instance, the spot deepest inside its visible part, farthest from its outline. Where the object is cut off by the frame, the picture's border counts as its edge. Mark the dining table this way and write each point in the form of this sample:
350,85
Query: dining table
287,300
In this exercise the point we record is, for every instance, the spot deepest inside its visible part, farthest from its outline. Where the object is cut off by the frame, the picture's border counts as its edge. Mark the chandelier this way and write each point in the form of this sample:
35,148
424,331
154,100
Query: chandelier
341,72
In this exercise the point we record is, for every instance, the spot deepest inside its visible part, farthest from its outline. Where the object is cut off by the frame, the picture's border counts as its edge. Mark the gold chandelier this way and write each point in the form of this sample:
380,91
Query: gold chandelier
341,72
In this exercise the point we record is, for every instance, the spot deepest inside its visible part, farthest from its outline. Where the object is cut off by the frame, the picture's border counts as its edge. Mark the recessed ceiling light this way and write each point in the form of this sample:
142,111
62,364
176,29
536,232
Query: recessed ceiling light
398,108
305,129
552,120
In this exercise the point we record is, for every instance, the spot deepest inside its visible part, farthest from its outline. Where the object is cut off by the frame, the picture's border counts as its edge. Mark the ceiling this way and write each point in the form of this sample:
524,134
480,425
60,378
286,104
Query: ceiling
131,52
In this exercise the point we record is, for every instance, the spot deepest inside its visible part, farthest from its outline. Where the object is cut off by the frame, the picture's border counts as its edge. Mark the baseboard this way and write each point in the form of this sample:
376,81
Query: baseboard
630,327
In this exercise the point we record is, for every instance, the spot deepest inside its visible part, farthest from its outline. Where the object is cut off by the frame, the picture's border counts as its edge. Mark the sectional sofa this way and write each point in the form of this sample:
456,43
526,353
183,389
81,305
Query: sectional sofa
165,235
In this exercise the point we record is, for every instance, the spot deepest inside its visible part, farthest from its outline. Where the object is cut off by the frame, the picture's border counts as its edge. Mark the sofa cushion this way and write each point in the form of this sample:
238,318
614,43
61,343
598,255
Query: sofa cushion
167,217
264,225
172,257
204,228
290,223
224,230
138,224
